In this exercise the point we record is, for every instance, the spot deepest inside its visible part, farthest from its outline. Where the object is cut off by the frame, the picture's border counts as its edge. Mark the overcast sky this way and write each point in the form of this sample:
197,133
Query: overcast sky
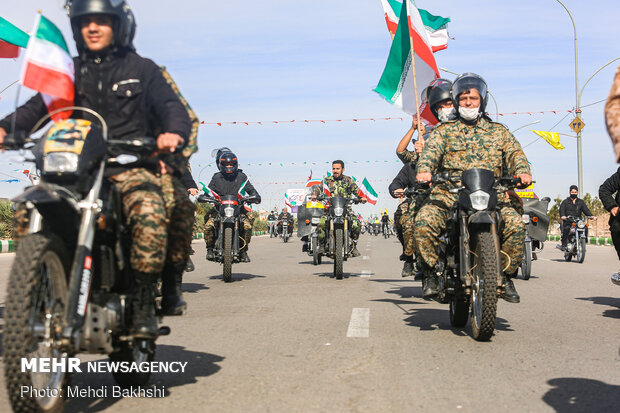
284,60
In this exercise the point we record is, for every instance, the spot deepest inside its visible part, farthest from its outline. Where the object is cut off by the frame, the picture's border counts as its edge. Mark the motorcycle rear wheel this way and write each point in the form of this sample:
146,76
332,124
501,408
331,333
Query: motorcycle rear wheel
338,253
36,297
228,255
484,295
526,264
581,251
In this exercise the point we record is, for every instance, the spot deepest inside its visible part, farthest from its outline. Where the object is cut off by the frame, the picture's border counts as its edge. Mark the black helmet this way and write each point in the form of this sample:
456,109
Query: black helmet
124,21
227,163
438,91
468,81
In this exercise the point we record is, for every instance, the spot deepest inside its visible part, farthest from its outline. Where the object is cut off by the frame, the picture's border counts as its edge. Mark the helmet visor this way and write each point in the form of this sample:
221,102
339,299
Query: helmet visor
468,82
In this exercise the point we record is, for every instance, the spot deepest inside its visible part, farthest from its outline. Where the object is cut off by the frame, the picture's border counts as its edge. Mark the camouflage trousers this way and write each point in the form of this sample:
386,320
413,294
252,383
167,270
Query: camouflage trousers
402,209
356,226
430,223
245,232
160,217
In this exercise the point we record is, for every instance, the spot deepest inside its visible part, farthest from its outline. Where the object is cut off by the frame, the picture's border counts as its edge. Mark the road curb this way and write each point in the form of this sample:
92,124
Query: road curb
591,240
7,245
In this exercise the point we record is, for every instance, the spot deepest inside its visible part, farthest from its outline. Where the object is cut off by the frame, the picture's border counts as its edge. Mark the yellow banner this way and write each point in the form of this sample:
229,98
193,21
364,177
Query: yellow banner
552,138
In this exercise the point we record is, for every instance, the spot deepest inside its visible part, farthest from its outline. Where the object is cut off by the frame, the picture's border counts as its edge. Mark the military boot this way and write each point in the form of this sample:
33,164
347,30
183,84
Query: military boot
243,256
143,306
430,284
407,269
189,266
210,254
510,292
354,251
172,302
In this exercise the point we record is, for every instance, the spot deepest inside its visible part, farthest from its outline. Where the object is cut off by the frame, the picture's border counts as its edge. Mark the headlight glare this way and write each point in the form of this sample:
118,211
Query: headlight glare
60,162
479,200
338,211
229,212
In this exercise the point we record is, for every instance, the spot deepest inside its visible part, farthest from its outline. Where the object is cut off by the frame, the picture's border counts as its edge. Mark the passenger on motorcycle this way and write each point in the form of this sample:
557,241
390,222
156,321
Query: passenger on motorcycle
285,216
573,206
470,141
340,184
135,100
230,181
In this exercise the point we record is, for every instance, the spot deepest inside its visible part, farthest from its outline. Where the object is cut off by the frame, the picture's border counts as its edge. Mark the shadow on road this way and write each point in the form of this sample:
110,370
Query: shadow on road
198,365
330,274
193,287
238,276
576,395
610,301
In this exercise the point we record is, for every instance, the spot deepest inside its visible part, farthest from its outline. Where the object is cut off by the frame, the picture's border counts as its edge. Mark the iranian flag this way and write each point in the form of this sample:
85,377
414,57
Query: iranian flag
396,83
366,190
326,190
11,39
209,192
435,26
242,192
48,67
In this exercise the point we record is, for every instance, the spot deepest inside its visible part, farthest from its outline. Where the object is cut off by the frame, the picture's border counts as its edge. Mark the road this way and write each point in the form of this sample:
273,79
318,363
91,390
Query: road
286,336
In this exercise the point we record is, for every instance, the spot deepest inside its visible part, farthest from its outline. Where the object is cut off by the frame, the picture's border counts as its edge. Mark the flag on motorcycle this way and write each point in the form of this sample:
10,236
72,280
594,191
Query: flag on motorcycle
312,182
241,193
48,67
11,39
209,192
396,83
367,191
326,190
552,138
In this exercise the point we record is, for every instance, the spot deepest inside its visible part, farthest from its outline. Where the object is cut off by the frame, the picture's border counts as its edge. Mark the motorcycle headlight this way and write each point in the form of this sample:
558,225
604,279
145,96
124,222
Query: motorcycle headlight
315,220
338,211
525,218
229,212
479,200
581,224
60,162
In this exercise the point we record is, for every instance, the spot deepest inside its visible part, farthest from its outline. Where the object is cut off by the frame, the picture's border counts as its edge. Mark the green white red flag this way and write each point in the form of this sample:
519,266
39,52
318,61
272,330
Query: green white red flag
366,190
11,39
436,26
396,83
48,67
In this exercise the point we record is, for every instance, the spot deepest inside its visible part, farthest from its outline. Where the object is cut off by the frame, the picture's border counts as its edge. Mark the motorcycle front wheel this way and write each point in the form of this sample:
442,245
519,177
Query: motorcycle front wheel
338,253
35,301
228,255
485,268
316,256
137,355
459,310
526,264
581,251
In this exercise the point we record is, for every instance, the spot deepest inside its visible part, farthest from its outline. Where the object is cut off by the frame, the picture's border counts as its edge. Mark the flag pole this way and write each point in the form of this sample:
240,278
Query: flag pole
415,82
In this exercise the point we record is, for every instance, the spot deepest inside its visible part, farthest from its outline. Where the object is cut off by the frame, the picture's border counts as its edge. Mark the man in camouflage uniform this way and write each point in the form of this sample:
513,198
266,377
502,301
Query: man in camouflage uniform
340,184
471,141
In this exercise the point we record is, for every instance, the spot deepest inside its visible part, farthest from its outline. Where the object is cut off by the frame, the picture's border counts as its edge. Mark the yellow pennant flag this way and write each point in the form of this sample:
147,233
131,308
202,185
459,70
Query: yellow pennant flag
552,138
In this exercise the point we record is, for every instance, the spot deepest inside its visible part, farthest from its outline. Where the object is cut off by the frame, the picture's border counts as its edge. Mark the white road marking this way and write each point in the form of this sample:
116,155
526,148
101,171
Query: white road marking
359,326
366,257
366,274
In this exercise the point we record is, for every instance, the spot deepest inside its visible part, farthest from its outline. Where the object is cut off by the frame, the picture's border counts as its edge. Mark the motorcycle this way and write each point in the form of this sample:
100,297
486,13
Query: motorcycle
387,230
469,265
71,287
284,230
536,223
338,232
308,217
577,239
227,247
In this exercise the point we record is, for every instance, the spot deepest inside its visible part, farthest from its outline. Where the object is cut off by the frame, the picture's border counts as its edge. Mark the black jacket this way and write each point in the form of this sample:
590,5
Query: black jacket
288,217
606,193
129,91
405,178
570,209
187,180
223,185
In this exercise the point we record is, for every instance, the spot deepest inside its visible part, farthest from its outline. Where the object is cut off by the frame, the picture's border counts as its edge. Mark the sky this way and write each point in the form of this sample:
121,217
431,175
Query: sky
279,60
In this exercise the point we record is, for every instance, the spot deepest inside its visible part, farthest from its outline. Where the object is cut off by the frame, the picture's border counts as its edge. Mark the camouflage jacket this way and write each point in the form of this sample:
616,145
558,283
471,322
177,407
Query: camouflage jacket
407,156
344,186
455,147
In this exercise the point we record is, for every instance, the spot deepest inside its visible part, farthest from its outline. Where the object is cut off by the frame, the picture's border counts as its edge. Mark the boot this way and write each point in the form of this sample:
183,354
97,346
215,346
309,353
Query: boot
172,302
243,256
510,292
430,284
143,306
407,269
210,254
419,270
354,251
189,267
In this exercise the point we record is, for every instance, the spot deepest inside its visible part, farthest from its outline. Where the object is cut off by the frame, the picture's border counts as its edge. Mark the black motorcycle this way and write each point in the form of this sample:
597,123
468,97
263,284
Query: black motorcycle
308,217
469,266
536,223
284,230
71,287
228,229
338,232
577,239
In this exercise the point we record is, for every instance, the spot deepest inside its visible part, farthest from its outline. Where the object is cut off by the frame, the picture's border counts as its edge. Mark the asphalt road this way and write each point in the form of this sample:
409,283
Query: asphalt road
286,336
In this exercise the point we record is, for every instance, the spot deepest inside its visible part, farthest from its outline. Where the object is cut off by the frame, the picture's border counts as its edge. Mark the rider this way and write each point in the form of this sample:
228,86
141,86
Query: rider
134,98
230,181
609,194
340,184
471,141
385,222
285,215
573,206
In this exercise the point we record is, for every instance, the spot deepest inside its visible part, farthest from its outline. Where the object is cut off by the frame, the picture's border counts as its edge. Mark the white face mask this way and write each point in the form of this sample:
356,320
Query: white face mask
446,114
469,113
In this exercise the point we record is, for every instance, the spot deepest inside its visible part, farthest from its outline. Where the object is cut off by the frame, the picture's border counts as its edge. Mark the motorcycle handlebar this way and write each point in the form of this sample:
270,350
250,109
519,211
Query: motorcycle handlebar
15,140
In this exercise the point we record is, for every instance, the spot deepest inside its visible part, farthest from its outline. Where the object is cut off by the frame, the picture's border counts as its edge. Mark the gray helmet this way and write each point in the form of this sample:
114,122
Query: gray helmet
438,91
124,21
468,81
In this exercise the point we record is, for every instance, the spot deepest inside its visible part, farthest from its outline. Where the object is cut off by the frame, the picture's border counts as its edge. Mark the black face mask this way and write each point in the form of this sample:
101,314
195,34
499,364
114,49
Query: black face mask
573,196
